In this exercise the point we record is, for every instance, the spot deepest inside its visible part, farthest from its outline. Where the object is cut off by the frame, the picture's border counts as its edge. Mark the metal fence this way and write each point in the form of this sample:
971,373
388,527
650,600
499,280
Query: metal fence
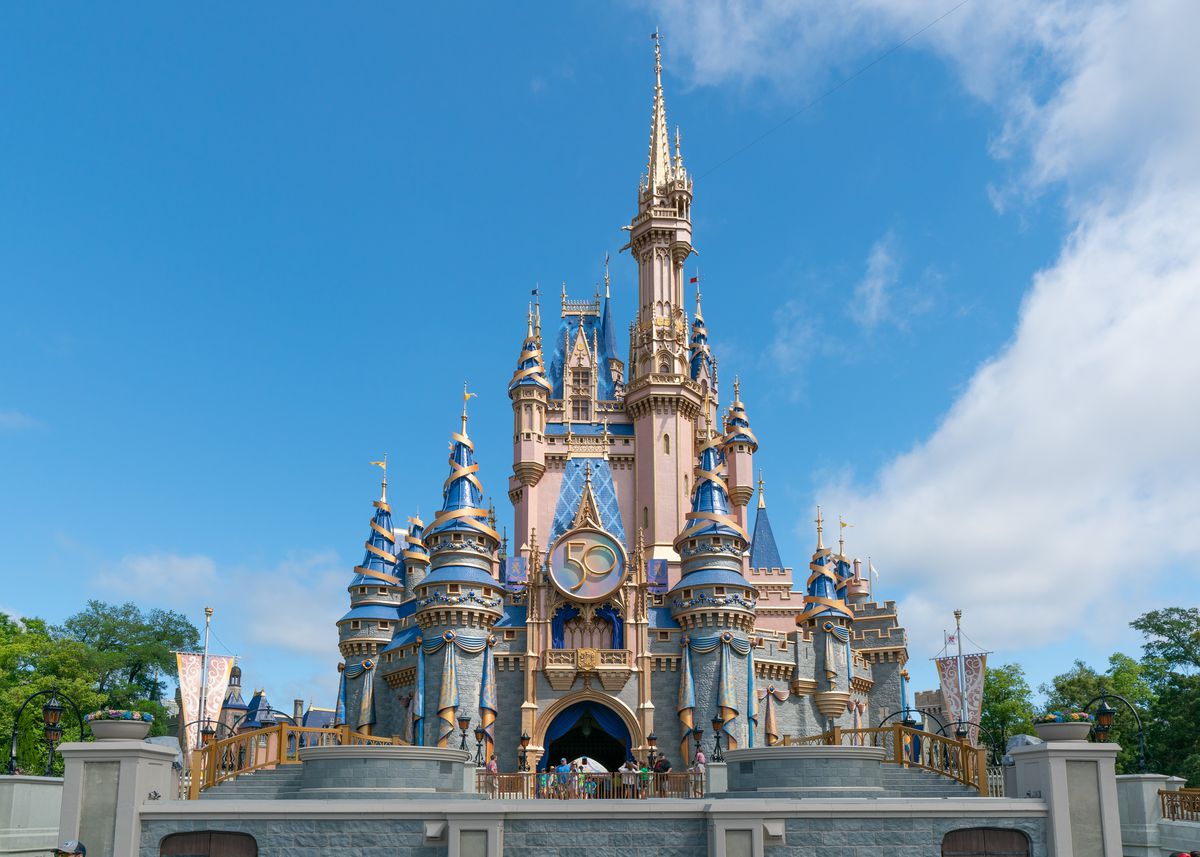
625,785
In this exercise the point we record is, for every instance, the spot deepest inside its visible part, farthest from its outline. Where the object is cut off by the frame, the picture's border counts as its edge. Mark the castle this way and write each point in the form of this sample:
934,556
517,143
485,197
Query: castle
640,601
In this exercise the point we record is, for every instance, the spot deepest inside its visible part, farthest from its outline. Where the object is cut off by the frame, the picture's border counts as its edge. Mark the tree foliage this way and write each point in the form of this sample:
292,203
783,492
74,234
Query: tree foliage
106,656
1007,703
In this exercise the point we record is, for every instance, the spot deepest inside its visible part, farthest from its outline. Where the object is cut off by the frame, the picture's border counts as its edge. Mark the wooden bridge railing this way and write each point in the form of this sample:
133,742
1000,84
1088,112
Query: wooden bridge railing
266,748
961,761
630,785
1182,805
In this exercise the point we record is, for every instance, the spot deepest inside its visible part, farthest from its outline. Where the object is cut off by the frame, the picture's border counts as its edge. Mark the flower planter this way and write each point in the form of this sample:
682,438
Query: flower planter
1071,731
119,730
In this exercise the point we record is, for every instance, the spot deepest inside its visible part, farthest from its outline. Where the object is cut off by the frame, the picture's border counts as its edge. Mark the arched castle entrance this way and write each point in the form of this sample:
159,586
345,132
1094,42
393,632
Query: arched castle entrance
587,724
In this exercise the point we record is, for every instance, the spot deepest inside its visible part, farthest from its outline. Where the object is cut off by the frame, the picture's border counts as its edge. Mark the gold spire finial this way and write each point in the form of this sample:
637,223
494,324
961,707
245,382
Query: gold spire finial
529,322
466,398
762,499
607,293
678,153
842,536
699,314
382,464
737,389
820,544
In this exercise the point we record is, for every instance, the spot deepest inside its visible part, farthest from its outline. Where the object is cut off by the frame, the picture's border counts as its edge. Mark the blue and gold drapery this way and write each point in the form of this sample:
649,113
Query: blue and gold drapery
727,704
339,709
771,695
366,702
835,634
448,697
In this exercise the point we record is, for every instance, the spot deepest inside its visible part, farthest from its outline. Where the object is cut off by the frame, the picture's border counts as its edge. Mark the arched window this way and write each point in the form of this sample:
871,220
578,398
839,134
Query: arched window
208,843
667,444
645,517
985,842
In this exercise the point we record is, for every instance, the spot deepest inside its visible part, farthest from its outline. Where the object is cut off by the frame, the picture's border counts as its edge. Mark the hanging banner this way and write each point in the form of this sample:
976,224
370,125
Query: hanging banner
191,683
974,669
656,576
516,571
189,666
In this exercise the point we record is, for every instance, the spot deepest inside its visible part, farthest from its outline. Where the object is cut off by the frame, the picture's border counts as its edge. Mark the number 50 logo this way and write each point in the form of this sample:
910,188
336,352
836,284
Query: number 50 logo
587,565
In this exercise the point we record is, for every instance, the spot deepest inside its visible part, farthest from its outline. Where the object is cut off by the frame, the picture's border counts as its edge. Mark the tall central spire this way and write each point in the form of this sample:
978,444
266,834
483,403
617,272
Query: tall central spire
658,167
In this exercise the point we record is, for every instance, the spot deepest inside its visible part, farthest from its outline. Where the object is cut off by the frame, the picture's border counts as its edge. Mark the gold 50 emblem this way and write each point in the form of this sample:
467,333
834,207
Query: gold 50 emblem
587,565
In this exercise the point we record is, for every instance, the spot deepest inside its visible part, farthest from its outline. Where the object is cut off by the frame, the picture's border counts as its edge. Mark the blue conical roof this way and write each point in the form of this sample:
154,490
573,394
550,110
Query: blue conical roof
379,559
701,354
462,494
764,553
822,598
531,372
710,500
608,335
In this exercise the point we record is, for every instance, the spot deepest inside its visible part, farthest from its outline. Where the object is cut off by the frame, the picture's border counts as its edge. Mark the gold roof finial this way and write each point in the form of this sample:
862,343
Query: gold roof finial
762,499
529,322
678,154
607,293
842,536
466,398
382,464
737,389
699,314
820,544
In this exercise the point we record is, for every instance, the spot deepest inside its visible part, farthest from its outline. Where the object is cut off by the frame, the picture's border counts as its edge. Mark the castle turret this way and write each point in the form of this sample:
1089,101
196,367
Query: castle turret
415,555
829,619
739,446
375,594
715,605
530,393
663,400
460,599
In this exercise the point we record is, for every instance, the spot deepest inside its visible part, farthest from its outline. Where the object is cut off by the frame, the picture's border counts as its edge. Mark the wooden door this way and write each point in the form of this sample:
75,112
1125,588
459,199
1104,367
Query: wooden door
208,843
985,842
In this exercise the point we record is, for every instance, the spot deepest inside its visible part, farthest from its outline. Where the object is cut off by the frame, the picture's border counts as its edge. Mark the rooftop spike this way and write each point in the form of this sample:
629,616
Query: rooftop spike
820,544
658,166
466,398
762,498
383,489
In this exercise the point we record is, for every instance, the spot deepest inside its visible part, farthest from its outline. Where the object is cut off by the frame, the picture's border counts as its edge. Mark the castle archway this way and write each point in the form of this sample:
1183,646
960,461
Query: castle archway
587,724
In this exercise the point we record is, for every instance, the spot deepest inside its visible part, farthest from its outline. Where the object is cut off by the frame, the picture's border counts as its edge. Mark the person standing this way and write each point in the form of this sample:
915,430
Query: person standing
629,777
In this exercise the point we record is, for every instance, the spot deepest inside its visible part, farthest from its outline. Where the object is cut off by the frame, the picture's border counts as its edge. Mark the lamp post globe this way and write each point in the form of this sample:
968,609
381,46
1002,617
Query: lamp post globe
717,723
480,734
464,723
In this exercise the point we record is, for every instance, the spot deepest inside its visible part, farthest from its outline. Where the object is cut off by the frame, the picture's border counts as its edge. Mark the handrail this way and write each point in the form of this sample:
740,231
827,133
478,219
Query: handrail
586,785
960,761
1182,805
267,747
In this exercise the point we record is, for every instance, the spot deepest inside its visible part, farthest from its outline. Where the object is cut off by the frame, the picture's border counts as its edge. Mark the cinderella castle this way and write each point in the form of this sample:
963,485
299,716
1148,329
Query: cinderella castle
641,600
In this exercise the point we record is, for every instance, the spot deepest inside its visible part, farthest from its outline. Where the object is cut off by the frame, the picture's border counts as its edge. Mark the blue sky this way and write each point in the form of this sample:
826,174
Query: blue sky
244,251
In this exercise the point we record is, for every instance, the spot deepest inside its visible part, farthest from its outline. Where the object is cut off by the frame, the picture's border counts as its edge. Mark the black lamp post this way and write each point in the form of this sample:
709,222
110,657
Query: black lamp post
699,733
1106,717
717,723
652,743
463,724
52,730
522,764
479,736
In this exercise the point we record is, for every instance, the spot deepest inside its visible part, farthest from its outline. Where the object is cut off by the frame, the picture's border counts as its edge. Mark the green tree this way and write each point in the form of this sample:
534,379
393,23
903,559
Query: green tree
1172,666
130,652
1080,685
1007,703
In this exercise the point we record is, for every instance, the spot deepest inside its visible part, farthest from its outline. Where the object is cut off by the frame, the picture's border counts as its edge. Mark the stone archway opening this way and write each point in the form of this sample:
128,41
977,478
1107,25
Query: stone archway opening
587,728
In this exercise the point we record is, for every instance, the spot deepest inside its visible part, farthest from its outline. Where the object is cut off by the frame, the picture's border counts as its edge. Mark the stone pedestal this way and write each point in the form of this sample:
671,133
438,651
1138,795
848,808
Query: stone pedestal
104,786
805,771
1140,810
29,814
375,772
717,776
1078,782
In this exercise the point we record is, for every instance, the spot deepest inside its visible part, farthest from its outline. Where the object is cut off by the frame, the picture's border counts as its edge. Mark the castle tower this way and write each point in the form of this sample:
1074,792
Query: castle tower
233,706
828,618
375,593
662,399
458,601
739,446
530,394
715,605
415,555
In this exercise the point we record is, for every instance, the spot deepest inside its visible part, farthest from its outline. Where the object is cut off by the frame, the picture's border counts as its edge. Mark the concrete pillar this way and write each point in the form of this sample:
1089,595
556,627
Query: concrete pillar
29,814
104,786
1141,810
1078,782
718,778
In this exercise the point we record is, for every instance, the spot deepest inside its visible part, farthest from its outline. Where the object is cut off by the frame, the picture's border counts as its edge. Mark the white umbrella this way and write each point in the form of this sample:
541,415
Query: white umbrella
587,763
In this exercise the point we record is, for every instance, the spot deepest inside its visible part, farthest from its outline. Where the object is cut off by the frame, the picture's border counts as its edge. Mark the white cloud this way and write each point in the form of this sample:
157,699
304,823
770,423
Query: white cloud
162,578
1059,490
16,421
872,295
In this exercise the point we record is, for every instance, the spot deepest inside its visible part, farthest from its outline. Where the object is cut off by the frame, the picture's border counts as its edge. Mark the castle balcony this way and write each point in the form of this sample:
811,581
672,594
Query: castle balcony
611,666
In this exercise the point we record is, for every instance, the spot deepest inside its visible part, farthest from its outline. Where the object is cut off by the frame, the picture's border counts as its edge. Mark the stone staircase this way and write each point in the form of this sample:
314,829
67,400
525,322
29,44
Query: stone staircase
899,781
266,784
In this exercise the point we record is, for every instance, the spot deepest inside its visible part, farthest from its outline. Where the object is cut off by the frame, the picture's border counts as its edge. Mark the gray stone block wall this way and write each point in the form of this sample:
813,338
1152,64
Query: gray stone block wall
894,837
301,837
616,836
510,689
885,695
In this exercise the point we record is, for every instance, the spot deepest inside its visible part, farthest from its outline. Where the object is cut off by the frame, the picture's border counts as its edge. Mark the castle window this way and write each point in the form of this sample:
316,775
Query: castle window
382,591
646,517
452,588
355,625
362,590
581,410
581,380
667,444
664,636
458,537
687,593
719,590
383,626
510,635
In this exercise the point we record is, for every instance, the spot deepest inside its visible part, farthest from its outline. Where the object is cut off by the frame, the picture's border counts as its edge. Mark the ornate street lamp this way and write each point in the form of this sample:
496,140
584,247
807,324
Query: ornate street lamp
699,733
1106,717
464,723
207,734
523,766
652,743
52,730
717,723
479,736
